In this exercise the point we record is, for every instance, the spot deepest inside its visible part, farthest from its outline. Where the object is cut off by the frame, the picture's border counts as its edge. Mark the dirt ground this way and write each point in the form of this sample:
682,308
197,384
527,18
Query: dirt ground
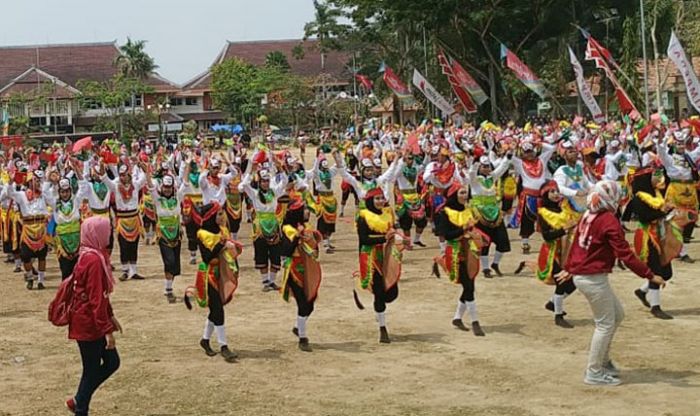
523,366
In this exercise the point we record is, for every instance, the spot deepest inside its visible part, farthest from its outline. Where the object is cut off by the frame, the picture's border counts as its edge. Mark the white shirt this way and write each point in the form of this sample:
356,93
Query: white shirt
676,166
568,186
531,182
131,204
477,186
211,192
27,208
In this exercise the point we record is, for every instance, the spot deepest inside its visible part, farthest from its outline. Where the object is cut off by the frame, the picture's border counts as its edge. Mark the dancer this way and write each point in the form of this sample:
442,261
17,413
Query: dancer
189,178
456,224
380,256
650,209
409,204
167,205
487,210
126,190
266,225
327,203
66,213
556,222
33,209
217,276
532,172
302,271
599,240
92,322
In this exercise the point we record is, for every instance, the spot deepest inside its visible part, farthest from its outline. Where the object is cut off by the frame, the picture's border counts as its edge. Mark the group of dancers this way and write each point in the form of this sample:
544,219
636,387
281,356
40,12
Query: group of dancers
468,184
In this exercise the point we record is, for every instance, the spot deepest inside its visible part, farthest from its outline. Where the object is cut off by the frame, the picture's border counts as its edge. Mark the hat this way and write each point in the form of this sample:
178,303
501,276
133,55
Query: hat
456,186
64,184
215,163
39,174
550,185
168,180
264,174
484,160
527,146
324,164
377,162
123,169
366,163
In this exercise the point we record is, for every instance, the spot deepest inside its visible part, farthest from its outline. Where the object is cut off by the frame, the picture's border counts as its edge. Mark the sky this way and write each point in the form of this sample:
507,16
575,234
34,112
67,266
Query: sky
184,36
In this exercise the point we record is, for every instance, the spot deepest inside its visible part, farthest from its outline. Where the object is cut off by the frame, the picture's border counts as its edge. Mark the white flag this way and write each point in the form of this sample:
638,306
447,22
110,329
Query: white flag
584,90
432,94
677,55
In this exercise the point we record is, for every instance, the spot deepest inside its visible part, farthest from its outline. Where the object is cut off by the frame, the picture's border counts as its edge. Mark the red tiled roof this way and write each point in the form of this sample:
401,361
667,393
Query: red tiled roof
68,62
35,81
255,52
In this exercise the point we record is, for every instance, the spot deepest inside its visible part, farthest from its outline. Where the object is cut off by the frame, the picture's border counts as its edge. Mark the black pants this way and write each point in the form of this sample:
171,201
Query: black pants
467,284
381,295
128,250
266,255
346,195
171,257
498,236
99,364
216,309
67,265
27,254
568,287
191,232
654,263
527,224
688,231
304,307
406,222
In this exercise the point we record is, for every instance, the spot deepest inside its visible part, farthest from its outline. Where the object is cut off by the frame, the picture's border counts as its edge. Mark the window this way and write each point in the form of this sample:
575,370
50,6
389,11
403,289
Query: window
37,121
175,101
137,100
191,101
59,121
92,104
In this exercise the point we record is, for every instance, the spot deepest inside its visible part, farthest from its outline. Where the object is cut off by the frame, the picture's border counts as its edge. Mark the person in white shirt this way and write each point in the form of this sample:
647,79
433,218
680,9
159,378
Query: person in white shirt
66,212
126,188
532,170
410,208
487,209
191,200
266,226
573,183
33,208
322,175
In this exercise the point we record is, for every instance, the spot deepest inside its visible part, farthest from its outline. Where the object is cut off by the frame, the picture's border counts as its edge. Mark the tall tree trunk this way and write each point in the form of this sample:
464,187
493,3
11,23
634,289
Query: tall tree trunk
492,88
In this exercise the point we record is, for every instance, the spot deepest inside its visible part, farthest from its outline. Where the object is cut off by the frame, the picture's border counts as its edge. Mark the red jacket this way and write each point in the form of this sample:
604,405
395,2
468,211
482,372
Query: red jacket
607,243
92,313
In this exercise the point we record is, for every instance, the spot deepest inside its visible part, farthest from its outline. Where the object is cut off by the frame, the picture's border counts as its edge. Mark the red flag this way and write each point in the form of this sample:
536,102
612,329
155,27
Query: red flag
109,158
596,52
460,92
365,81
84,143
412,143
395,84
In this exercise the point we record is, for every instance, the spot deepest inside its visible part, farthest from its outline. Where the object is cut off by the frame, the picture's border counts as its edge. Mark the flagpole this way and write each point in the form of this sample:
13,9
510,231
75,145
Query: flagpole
646,64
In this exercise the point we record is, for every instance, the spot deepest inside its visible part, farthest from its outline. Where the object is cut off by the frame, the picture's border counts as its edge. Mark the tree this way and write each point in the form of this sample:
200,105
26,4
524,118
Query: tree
325,28
278,60
109,97
133,61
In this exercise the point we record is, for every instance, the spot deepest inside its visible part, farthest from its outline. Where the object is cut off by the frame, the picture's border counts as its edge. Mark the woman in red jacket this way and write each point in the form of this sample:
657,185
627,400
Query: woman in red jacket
598,242
92,321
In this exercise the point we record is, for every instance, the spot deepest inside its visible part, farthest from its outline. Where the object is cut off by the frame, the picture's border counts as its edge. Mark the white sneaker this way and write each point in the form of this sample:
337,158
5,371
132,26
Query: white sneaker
610,368
602,379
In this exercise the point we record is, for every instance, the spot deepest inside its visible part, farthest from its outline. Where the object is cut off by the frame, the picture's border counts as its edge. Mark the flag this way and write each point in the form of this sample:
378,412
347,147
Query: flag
395,84
522,72
599,51
84,143
595,52
467,82
364,81
584,89
677,54
5,122
432,94
460,92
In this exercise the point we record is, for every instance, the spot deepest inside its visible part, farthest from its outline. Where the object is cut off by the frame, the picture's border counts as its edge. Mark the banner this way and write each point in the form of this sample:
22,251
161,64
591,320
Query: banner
395,84
679,58
596,52
468,83
584,89
462,94
522,72
432,94
365,81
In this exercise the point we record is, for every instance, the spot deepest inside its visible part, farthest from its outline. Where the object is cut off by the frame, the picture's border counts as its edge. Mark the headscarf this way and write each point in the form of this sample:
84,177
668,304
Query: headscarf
605,196
94,238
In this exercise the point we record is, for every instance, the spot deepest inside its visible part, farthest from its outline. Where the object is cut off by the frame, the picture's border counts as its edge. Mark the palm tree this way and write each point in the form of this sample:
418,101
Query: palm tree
325,28
133,61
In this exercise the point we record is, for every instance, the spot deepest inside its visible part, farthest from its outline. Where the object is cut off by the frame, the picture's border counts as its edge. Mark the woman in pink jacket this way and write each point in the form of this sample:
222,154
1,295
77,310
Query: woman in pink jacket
92,322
